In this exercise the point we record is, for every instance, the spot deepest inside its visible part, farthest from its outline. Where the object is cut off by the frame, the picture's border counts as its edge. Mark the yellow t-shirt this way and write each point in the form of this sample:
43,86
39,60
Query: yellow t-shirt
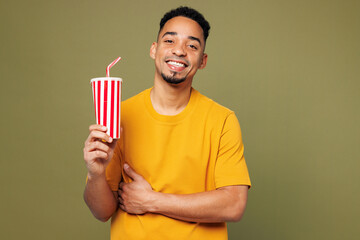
198,150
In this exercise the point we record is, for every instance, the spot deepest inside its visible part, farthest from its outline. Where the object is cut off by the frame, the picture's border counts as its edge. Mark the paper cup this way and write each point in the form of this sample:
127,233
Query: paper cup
107,101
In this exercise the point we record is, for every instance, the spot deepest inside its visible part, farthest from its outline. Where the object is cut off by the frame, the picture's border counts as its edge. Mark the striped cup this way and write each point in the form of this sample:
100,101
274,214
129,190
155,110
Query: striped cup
107,101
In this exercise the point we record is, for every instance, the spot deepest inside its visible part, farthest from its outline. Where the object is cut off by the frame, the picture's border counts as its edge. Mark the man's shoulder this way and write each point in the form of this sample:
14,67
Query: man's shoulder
212,106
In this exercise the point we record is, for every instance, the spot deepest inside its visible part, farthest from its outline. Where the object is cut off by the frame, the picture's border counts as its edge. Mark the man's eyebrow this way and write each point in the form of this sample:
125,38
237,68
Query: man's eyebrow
169,33
189,37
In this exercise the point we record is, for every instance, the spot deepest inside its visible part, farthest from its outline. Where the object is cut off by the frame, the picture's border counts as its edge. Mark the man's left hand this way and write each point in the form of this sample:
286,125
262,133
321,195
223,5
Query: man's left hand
135,197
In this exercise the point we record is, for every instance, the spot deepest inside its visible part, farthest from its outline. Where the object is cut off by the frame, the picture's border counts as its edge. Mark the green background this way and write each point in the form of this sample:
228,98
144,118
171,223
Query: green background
289,69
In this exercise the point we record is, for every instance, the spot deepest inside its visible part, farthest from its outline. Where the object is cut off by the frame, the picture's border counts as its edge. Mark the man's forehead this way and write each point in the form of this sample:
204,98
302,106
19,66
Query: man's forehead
183,26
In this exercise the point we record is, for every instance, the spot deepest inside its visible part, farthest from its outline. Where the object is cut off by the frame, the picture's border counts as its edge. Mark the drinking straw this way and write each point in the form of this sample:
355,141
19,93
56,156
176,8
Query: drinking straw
111,65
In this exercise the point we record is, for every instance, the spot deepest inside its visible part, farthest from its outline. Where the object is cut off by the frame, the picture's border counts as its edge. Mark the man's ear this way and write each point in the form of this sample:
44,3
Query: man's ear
153,50
203,61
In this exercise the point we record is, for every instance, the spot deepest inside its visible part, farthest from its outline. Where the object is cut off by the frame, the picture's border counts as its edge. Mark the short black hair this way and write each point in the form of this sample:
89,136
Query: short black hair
189,13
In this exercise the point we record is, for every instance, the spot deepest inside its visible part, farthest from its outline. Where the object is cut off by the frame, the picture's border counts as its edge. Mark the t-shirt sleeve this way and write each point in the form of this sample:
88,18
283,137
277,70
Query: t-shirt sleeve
231,168
114,169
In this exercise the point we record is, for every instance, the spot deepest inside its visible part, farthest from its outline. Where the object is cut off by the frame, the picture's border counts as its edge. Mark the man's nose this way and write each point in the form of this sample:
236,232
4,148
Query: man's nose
179,50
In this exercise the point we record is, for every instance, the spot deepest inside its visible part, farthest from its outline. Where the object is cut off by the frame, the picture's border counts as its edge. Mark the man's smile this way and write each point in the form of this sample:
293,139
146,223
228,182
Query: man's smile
176,65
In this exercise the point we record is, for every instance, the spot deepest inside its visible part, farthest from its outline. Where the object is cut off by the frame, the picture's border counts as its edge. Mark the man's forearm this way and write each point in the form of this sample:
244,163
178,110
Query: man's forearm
99,198
221,205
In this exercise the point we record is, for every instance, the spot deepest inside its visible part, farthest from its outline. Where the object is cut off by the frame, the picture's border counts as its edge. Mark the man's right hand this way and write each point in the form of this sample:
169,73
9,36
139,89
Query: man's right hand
98,150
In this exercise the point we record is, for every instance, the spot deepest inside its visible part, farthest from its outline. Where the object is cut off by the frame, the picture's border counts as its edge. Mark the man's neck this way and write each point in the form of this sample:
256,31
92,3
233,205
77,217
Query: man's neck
170,99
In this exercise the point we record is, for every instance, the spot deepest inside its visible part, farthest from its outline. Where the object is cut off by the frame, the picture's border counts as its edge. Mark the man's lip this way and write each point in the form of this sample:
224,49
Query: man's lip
178,61
176,68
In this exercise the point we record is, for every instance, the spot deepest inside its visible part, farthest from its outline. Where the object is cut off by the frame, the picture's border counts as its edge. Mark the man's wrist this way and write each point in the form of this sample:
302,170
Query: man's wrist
155,202
94,177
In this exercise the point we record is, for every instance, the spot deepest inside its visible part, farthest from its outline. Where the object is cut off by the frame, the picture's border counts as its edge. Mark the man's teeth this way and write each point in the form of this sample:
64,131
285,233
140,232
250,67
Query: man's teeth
176,64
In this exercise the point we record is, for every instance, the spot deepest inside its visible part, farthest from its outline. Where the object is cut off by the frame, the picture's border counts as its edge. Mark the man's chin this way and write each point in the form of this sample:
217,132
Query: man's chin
172,79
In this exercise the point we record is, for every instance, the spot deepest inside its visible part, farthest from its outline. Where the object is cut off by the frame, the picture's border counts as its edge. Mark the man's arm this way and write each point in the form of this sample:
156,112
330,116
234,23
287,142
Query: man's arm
99,198
97,155
220,205
226,204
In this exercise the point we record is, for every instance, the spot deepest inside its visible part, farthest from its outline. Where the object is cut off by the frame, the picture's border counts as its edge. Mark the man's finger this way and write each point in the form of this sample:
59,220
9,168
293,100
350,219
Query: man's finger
122,207
97,135
121,201
97,127
100,155
131,173
97,145
121,184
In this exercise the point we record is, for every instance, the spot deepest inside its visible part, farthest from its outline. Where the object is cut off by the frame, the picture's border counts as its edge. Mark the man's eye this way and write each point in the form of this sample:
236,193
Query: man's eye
169,41
193,46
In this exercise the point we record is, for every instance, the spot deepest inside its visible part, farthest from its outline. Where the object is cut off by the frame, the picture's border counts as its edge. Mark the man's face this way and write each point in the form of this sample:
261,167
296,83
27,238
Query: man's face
179,51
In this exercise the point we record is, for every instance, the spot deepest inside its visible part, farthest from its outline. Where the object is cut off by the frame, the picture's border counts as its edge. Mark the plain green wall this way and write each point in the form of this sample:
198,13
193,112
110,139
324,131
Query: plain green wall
289,69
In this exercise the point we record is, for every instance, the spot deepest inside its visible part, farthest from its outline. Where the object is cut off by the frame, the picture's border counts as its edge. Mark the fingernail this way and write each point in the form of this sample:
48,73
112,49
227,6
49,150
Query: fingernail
110,139
103,128
126,166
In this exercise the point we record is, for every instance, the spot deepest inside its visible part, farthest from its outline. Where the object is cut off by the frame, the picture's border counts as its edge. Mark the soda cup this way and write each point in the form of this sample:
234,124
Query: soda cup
107,102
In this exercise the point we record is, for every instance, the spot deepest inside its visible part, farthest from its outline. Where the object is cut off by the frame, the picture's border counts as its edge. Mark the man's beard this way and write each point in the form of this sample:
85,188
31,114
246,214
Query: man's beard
172,79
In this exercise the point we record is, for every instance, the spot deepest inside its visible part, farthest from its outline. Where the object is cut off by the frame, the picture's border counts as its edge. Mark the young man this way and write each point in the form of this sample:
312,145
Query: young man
178,171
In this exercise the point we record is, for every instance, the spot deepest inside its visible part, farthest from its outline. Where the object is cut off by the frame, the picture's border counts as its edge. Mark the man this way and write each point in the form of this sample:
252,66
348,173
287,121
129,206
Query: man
178,171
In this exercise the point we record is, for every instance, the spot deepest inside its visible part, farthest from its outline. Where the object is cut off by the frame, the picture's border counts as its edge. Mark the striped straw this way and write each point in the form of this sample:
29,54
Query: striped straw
111,65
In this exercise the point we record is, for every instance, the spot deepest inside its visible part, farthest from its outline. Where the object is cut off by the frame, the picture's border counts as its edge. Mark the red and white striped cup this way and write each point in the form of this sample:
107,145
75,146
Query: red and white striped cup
107,102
